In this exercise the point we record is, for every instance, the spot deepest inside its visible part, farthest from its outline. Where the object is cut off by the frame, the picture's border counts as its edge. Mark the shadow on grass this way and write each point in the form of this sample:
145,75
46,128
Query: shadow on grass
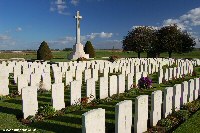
6,110
55,127
15,101
69,119
44,99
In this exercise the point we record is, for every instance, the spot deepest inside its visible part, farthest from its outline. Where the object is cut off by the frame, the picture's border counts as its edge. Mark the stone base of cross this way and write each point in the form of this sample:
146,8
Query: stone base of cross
78,52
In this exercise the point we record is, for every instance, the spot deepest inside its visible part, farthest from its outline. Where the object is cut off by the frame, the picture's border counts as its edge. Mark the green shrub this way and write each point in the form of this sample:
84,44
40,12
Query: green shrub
81,59
165,123
89,49
192,106
113,58
46,111
182,114
44,52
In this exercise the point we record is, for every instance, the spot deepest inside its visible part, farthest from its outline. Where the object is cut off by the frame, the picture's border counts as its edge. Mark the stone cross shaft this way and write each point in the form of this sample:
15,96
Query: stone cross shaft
78,31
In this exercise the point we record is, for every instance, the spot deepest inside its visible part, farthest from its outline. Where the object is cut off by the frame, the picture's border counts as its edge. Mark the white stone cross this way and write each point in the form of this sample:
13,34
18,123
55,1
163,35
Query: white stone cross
78,31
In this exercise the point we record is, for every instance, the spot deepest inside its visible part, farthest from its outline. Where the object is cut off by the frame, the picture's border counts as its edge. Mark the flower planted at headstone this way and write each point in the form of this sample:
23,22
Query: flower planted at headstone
144,83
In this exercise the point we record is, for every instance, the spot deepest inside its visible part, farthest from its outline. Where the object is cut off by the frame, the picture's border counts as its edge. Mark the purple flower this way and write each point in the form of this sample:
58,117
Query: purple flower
145,83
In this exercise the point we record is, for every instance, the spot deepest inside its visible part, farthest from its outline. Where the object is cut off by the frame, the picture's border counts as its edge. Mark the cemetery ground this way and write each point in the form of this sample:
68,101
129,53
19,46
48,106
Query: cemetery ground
71,119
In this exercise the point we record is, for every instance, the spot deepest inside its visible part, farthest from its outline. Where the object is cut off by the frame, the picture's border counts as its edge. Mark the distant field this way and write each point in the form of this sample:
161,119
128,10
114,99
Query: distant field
62,55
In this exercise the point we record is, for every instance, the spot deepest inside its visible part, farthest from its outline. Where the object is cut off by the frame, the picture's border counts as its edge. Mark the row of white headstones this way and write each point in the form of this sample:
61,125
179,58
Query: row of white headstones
32,73
174,97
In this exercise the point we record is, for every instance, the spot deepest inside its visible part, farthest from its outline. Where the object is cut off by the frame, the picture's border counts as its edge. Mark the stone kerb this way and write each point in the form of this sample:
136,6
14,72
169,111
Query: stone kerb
113,85
103,87
75,92
94,121
167,102
176,97
29,101
141,114
58,96
123,117
156,103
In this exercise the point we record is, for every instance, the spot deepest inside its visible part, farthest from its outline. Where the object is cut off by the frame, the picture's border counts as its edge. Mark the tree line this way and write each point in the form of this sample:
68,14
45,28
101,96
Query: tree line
155,41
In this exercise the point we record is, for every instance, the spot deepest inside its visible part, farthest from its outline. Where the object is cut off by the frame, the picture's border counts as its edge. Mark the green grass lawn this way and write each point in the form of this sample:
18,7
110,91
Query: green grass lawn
192,125
11,109
61,56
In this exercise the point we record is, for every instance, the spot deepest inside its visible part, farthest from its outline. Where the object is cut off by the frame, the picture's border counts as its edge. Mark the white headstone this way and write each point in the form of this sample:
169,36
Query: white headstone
121,83
29,101
35,79
58,96
57,77
167,102
22,82
196,88
103,87
190,90
141,114
93,121
90,89
176,97
130,80
46,81
95,74
184,92
156,103
68,77
123,117
4,82
113,85
75,92
88,74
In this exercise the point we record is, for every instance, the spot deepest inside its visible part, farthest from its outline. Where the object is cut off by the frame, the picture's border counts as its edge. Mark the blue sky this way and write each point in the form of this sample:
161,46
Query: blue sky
24,24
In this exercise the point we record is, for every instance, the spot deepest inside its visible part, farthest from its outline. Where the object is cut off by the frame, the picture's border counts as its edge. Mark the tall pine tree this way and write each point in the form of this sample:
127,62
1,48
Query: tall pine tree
89,49
44,52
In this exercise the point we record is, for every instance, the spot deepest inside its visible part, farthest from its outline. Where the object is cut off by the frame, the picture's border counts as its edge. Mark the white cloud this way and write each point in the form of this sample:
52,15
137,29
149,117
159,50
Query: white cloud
99,35
60,6
74,2
186,21
154,27
69,41
19,29
6,42
4,37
